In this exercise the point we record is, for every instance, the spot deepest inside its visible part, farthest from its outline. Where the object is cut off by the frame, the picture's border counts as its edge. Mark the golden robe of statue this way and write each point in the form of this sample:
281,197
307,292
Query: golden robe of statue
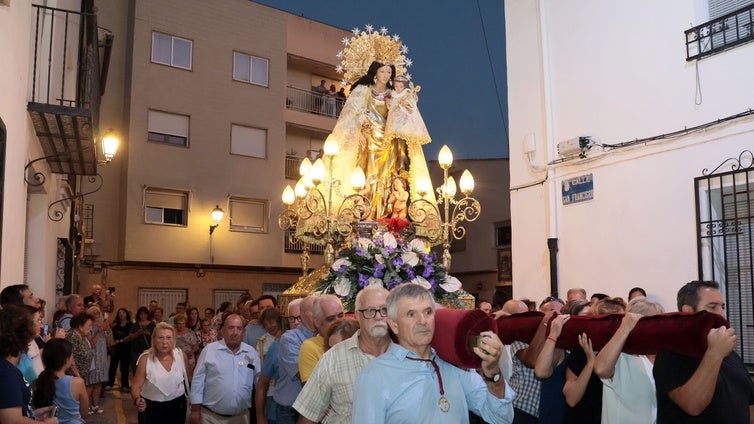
361,136
360,132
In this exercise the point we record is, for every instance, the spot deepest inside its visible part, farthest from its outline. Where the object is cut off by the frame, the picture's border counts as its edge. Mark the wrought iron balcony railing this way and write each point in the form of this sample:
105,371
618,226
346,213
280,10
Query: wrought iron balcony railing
65,100
313,102
720,34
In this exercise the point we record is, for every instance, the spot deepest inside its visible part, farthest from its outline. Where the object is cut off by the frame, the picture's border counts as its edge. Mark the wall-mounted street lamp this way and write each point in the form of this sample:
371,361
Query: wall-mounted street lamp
109,144
217,217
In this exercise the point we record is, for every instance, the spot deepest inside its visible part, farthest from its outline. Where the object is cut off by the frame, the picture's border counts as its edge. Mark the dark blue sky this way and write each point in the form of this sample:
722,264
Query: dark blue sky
459,100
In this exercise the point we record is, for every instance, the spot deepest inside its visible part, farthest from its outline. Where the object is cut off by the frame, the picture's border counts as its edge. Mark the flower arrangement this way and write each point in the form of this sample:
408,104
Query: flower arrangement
388,261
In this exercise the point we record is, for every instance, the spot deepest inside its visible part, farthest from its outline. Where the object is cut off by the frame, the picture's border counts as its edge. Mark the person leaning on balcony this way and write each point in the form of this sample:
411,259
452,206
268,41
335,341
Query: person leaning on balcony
321,91
431,390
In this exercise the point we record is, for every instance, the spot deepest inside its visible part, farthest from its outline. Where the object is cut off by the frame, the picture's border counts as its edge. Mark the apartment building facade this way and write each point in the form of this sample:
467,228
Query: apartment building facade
214,105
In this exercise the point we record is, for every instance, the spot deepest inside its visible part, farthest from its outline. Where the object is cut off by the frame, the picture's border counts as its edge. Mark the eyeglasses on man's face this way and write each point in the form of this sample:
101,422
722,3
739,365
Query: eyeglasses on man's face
370,313
293,319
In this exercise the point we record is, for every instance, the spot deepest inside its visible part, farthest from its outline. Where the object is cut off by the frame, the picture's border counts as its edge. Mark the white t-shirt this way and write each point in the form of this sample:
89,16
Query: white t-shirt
629,397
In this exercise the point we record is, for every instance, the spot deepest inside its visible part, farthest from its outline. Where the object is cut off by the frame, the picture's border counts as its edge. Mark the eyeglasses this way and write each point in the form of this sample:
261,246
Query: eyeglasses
331,318
370,313
294,319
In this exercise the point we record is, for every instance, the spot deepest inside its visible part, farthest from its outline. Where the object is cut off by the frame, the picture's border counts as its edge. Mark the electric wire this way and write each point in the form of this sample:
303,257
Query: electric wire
686,131
494,77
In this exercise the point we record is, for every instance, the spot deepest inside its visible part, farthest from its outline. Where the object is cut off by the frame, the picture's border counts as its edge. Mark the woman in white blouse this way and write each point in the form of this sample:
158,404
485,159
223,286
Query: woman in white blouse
160,381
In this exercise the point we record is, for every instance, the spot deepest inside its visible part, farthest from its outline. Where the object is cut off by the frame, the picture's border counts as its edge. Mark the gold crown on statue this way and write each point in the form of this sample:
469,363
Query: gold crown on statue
367,46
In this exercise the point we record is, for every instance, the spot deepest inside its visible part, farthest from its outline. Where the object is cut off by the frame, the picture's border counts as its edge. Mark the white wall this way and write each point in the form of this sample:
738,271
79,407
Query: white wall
35,244
14,35
615,71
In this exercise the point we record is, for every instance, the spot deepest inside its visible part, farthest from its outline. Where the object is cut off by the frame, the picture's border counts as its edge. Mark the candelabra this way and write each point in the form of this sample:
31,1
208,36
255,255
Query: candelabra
467,209
311,205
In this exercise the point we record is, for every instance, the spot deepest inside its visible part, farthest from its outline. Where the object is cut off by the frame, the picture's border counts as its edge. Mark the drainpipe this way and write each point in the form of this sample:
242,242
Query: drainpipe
552,246
552,207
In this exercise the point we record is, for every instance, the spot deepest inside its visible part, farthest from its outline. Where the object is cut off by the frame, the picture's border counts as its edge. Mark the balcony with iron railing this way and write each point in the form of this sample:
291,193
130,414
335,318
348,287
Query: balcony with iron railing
720,34
65,101
313,102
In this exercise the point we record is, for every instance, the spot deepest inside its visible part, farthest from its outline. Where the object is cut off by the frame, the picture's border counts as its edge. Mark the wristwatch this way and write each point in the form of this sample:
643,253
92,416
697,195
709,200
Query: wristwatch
495,377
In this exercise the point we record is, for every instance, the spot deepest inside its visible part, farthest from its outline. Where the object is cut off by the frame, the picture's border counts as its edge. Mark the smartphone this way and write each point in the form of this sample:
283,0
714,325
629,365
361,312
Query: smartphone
53,411
45,330
111,290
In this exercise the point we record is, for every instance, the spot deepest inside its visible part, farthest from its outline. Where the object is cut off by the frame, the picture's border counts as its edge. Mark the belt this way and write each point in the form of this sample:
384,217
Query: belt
216,413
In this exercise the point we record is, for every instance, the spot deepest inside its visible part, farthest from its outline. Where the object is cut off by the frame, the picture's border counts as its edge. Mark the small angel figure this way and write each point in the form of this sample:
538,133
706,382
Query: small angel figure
398,199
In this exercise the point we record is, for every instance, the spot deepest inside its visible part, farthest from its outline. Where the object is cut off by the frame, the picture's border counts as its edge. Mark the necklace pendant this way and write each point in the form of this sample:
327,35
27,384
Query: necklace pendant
444,404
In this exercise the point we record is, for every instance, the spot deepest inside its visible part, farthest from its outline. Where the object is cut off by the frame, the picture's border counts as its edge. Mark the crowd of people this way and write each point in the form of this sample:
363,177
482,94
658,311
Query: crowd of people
313,363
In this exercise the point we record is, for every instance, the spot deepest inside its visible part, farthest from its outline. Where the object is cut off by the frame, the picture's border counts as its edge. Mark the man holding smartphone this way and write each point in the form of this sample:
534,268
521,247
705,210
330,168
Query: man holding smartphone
103,299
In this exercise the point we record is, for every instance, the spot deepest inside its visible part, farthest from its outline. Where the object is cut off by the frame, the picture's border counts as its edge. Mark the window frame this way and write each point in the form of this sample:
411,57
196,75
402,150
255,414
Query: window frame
172,63
187,138
266,139
263,229
170,192
251,58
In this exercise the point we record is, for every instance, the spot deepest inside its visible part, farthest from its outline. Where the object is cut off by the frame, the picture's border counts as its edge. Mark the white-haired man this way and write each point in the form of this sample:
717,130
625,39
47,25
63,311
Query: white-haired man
330,387
410,384
326,309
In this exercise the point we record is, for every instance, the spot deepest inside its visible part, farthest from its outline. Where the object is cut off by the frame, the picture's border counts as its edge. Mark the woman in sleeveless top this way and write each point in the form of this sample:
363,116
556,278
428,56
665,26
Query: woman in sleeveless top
53,386
160,382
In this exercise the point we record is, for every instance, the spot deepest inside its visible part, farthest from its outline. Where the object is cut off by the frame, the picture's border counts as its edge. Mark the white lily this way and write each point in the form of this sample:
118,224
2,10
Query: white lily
451,284
375,282
342,286
340,262
418,245
389,240
422,282
365,243
410,258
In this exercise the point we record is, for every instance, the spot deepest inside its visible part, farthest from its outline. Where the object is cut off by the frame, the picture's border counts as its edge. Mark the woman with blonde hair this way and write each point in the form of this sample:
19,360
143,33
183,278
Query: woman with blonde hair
98,338
160,381
628,394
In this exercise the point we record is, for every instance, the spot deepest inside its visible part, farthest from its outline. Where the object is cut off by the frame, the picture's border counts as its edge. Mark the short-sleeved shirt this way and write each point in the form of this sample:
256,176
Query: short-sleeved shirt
288,384
14,390
629,396
311,350
589,409
524,383
330,385
734,391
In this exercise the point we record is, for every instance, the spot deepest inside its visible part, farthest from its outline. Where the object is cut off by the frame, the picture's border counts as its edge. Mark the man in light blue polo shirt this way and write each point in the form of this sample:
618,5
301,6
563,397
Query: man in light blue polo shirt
410,384
224,378
288,384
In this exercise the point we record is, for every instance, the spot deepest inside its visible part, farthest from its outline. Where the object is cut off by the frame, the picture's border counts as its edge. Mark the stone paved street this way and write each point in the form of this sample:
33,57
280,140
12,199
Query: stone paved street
119,409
